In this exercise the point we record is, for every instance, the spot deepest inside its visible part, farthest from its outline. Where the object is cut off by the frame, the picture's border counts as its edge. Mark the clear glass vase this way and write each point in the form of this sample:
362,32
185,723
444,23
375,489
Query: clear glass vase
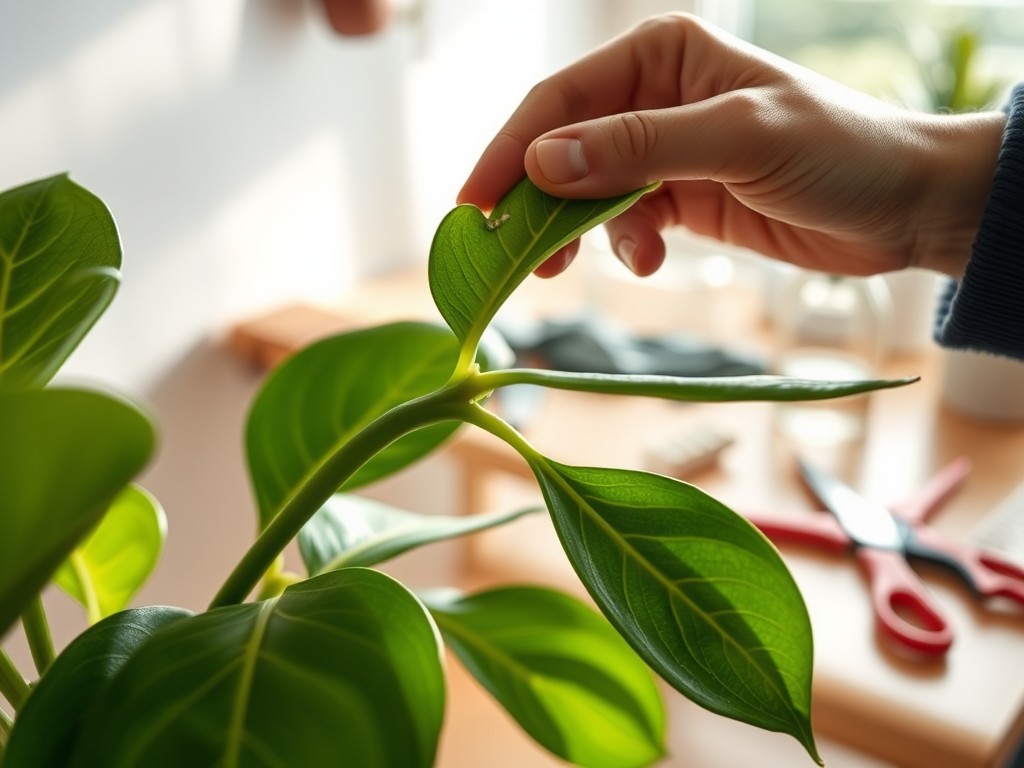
830,327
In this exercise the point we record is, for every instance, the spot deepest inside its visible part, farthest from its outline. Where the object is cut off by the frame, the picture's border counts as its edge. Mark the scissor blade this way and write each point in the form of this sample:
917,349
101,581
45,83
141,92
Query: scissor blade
866,523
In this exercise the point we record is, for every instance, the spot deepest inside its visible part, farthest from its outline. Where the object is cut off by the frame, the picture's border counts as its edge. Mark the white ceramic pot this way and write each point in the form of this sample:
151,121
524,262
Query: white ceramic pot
984,386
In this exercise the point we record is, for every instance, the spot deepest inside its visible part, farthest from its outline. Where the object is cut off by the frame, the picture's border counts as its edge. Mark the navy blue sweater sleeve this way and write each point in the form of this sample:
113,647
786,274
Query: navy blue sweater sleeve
985,310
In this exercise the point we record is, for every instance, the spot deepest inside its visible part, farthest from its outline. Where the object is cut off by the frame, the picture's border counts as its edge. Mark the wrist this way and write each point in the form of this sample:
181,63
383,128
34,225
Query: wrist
961,155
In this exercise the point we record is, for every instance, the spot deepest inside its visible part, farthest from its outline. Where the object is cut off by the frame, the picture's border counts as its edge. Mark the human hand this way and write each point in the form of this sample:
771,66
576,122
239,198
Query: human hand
754,151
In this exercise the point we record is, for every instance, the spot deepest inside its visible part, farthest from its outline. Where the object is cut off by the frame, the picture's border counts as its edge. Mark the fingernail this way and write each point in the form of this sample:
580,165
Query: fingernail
625,249
561,160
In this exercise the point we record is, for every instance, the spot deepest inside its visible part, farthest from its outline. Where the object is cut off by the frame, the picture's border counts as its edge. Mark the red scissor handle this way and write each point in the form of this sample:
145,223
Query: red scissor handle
986,572
816,530
940,486
904,609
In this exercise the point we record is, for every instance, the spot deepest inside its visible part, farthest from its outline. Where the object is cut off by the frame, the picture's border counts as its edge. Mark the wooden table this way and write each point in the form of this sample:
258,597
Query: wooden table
962,711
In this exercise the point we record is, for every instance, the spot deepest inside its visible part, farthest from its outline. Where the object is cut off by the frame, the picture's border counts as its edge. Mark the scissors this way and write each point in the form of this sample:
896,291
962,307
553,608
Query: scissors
883,540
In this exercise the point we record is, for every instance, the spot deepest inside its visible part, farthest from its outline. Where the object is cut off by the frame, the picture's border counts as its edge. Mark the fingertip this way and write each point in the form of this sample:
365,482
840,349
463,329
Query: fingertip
573,166
471,194
560,160
499,168
648,262
643,255
555,265
559,261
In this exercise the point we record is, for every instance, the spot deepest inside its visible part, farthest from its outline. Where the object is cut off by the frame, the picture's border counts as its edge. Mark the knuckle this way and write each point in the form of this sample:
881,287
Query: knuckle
755,108
671,23
559,91
633,136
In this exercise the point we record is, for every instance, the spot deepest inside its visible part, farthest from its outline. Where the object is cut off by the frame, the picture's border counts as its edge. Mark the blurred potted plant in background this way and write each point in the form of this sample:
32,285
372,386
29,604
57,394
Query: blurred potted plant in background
948,71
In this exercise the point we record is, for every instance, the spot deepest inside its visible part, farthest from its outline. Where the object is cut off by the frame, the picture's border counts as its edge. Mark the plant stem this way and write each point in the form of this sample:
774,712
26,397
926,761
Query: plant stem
88,587
325,479
480,417
37,631
12,684
6,723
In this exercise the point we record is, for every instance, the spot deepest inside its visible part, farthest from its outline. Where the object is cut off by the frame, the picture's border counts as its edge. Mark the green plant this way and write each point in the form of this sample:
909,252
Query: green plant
950,79
344,667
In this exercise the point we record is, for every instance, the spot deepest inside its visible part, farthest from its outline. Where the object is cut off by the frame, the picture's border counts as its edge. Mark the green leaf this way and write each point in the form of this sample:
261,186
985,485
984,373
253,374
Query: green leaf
560,670
59,262
48,725
343,669
351,530
476,263
107,569
65,454
717,389
326,393
697,590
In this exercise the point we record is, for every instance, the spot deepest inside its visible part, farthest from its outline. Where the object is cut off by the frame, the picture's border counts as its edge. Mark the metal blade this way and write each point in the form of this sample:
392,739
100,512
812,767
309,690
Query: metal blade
866,523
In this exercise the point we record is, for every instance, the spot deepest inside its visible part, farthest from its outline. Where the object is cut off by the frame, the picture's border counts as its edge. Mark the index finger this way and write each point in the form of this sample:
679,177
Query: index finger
663,62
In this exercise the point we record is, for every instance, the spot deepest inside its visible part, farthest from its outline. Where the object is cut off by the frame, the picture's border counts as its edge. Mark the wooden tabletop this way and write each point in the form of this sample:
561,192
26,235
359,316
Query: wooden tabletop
964,710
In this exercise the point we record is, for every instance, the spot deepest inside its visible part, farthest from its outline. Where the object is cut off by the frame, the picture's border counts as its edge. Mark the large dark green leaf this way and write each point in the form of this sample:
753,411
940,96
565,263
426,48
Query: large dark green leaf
59,261
64,456
351,530
48,724
560,670
108,568
476,263
699,592
323,395
343,669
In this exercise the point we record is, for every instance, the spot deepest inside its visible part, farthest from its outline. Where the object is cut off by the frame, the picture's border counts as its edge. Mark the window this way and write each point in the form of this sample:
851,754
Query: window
907,51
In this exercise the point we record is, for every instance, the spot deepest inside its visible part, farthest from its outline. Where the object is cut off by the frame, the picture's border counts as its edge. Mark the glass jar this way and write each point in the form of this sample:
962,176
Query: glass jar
830,327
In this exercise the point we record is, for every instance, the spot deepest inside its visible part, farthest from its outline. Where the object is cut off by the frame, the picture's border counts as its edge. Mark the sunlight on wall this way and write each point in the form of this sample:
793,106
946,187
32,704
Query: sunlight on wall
133,67
304,189
87,94
487,59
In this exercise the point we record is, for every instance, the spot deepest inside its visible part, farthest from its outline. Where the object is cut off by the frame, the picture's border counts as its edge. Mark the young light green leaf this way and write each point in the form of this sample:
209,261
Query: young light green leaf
324,394
354,531
344,668
560,670
49,723
477,262
59,269
65,454
698,592
108,568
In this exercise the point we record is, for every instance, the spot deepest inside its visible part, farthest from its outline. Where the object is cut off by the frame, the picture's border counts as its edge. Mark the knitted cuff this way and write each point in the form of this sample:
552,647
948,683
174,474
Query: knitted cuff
985,311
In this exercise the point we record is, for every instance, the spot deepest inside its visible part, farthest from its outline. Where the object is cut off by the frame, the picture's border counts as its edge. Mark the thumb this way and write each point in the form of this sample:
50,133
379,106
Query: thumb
616,154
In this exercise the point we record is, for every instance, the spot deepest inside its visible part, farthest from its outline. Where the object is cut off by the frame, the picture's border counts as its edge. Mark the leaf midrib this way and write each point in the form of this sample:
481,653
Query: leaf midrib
488,650
492,306
236,728
9,262
669,585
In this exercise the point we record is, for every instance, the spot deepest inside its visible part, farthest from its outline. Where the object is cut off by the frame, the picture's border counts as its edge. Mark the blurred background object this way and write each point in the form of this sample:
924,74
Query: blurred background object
358,17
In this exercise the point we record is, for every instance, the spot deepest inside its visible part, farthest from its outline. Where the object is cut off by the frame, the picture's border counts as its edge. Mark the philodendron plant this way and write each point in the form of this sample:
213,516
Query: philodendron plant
345,666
